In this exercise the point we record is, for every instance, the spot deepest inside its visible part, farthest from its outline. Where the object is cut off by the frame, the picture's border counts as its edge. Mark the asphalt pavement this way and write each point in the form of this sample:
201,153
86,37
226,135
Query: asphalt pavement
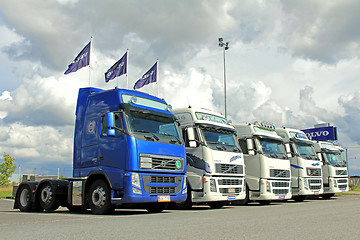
337,218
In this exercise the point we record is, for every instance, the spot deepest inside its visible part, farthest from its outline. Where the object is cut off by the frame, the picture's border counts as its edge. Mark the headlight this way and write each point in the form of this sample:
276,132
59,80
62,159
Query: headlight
268,189
184,186
335,182
137,191
306,183
212,185
135,180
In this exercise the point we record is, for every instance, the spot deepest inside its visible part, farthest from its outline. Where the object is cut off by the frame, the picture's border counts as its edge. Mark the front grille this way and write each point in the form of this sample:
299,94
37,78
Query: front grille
228,168
161,179
230,182
314,181
342,181
279,173
232,191
313,171
156,190
163,164
341,172
168,184
342,186
314,184
159,162
280,184
280,191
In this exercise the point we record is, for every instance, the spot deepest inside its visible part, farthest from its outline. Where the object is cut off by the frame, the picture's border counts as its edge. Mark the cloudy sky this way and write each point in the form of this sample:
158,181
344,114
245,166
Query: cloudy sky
293,63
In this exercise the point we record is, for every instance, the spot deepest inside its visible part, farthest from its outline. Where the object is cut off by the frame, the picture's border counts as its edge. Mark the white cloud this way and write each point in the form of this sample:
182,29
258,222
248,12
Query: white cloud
294,63
52,144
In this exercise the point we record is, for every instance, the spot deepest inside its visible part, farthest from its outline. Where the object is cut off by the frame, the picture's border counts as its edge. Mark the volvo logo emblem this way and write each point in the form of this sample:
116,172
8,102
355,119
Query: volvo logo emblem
163,163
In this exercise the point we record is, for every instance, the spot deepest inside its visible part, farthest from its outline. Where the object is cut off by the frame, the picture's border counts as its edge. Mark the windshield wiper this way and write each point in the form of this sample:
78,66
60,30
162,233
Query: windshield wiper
175,141
147,137
221,148
172,140
235,149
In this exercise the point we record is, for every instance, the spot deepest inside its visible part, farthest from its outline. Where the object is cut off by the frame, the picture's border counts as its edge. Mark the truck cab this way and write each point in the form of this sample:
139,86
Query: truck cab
267,164
306,173
215,163
128,152
334,168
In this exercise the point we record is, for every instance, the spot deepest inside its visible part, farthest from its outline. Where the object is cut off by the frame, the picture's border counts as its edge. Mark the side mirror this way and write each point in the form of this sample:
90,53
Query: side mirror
191,137
250,146
320,157
110,123
288,151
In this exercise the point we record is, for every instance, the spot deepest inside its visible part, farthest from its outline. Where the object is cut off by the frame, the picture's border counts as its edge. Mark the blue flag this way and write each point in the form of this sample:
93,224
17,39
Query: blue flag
148,77
118,69
81,60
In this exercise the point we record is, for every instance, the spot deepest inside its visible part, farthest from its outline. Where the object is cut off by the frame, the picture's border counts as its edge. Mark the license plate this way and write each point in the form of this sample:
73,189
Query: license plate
343,190
282,197
231,197
164,198
317,193
231,190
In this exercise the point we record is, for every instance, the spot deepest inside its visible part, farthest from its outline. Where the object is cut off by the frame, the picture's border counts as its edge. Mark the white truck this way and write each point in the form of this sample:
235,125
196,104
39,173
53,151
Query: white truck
267,164
334,168
306,174
215,162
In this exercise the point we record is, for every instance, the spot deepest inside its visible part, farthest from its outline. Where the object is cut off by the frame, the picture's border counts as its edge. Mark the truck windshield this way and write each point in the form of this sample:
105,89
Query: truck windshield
272,148
306,151
153,127
220,139
336,159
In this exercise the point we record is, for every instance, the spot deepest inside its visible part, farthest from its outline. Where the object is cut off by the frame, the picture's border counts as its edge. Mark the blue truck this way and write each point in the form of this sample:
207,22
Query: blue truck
128,152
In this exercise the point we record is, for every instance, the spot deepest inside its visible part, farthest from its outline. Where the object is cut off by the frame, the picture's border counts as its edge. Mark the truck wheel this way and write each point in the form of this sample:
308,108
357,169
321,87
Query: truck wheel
99,198
156,207
48,200
74,208
187,204
328,195
298,198
217,205
244,201
264,202
23,198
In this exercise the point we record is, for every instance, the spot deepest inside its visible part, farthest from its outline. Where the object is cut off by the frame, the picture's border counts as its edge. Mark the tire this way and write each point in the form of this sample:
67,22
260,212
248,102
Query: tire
217,205
156,207
74,208
328,195
298,198
187,204
99,198
23,198
245,201
47,197
265,202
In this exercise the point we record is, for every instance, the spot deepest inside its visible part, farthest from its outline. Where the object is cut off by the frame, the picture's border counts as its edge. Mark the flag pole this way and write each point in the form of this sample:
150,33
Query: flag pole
91,38
157,80
127,69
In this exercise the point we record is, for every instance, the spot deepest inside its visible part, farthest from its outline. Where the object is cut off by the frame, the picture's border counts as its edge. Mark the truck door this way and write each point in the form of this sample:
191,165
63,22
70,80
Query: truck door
112,147
196,165
89,143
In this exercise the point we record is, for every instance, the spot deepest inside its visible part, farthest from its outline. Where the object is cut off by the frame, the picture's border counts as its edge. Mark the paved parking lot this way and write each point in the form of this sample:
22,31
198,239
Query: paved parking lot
337,218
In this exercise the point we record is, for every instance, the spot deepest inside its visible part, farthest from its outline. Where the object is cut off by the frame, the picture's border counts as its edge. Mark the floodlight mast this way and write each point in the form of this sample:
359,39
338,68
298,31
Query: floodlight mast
224,46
